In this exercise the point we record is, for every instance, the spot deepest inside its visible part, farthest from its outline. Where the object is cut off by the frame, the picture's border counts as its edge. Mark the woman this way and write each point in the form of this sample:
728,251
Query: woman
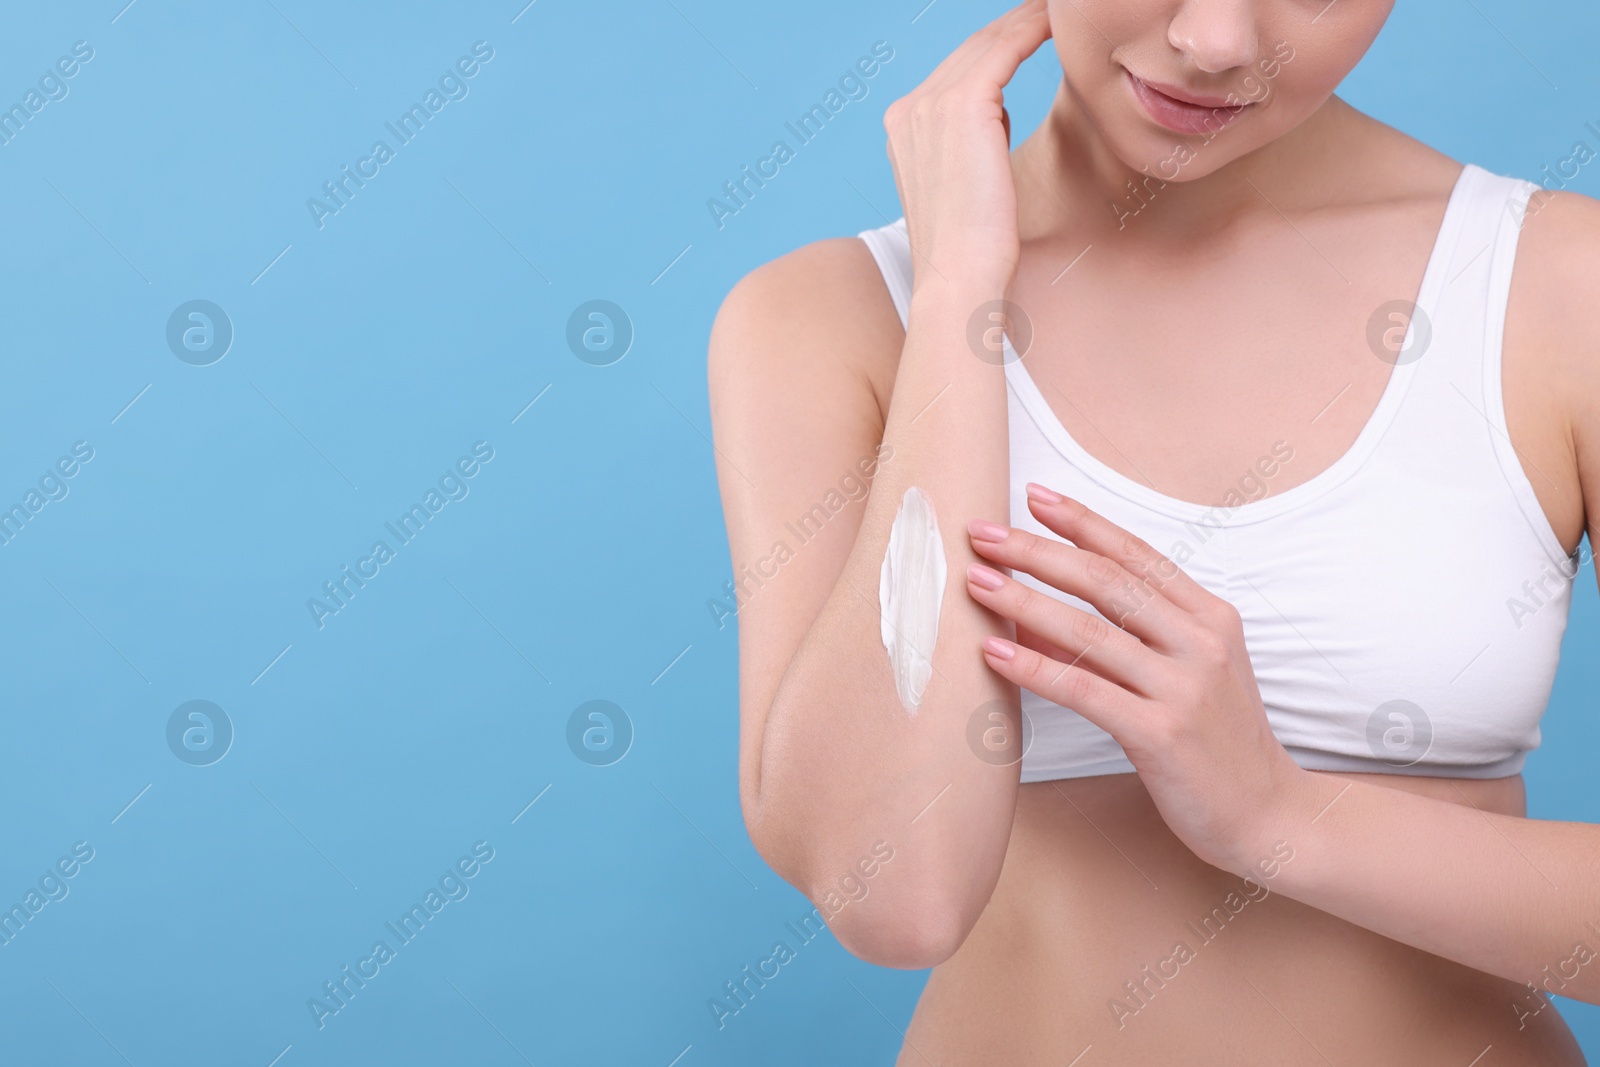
1272,536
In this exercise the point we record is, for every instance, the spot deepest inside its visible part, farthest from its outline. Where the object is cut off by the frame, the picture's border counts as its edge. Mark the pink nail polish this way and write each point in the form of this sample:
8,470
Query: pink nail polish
1042,495
984,530
985,577
997,648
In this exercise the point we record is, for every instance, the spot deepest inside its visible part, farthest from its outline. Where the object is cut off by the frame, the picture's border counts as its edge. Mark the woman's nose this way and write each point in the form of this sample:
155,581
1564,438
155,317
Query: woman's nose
1216,35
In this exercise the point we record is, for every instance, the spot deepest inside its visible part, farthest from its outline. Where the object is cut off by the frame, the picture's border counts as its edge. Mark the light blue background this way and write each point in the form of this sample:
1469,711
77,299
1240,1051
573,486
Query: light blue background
423,317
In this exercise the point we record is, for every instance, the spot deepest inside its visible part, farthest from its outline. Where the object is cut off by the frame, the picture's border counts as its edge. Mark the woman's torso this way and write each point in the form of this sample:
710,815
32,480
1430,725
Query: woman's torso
1173,361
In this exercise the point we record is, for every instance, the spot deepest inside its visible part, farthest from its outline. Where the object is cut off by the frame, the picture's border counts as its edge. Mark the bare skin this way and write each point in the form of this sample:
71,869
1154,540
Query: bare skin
1095,889
1404,936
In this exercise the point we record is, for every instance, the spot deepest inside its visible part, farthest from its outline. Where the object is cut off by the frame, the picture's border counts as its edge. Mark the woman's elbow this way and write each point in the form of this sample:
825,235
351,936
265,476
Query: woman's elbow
890,929
900,934
914,913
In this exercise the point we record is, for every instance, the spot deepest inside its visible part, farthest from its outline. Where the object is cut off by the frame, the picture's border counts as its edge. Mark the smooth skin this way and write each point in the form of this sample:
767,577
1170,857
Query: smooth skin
1412,910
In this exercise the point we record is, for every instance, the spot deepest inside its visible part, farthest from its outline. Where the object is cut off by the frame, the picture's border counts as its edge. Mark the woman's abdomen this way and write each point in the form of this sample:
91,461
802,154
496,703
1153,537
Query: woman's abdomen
1107,939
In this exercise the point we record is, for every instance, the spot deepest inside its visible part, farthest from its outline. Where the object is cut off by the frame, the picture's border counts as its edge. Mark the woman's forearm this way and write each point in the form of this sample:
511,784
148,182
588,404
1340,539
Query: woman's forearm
845,762
1518,898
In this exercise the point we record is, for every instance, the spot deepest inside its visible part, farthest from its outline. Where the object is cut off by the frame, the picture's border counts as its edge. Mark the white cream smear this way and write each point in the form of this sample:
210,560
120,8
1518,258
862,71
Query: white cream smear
910,591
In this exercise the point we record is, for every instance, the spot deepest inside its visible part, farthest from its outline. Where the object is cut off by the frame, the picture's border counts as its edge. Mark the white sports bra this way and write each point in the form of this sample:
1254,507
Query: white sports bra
1404,608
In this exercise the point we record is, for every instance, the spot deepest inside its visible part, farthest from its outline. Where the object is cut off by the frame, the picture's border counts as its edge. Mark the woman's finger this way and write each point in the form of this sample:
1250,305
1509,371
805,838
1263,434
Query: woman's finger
1110,589
1015,41
1102,702
958,63
1085,639
1049,649
1086,529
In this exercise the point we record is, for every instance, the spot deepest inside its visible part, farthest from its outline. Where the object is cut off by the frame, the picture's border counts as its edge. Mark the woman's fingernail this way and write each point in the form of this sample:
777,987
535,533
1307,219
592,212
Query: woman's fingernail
998,648
984,530
986,577
1043,495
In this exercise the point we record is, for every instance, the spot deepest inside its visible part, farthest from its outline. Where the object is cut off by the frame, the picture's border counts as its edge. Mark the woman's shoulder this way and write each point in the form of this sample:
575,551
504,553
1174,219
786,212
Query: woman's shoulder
826,284
808,321
1556,280
1551,353
1560,240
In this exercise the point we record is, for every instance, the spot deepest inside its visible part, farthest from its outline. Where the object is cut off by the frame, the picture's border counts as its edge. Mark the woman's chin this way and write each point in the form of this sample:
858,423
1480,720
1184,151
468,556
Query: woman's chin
1174,157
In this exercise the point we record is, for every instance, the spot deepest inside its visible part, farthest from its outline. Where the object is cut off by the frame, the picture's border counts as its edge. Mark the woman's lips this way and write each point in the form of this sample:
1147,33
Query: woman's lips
1184,114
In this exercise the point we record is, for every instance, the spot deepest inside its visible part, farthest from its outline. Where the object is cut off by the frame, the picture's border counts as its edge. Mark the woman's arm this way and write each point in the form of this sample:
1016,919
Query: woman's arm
831,759
1518,898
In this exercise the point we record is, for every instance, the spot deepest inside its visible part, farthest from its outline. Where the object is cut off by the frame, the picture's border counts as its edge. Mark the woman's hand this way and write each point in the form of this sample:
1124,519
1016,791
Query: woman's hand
949,144
1168,676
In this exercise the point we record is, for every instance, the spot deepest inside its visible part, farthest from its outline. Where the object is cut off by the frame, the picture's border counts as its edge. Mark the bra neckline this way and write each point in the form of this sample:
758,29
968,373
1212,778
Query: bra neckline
1372,431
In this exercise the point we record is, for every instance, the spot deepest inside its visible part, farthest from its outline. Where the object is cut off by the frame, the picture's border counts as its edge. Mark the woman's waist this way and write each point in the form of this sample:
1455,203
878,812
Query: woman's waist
1105,930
